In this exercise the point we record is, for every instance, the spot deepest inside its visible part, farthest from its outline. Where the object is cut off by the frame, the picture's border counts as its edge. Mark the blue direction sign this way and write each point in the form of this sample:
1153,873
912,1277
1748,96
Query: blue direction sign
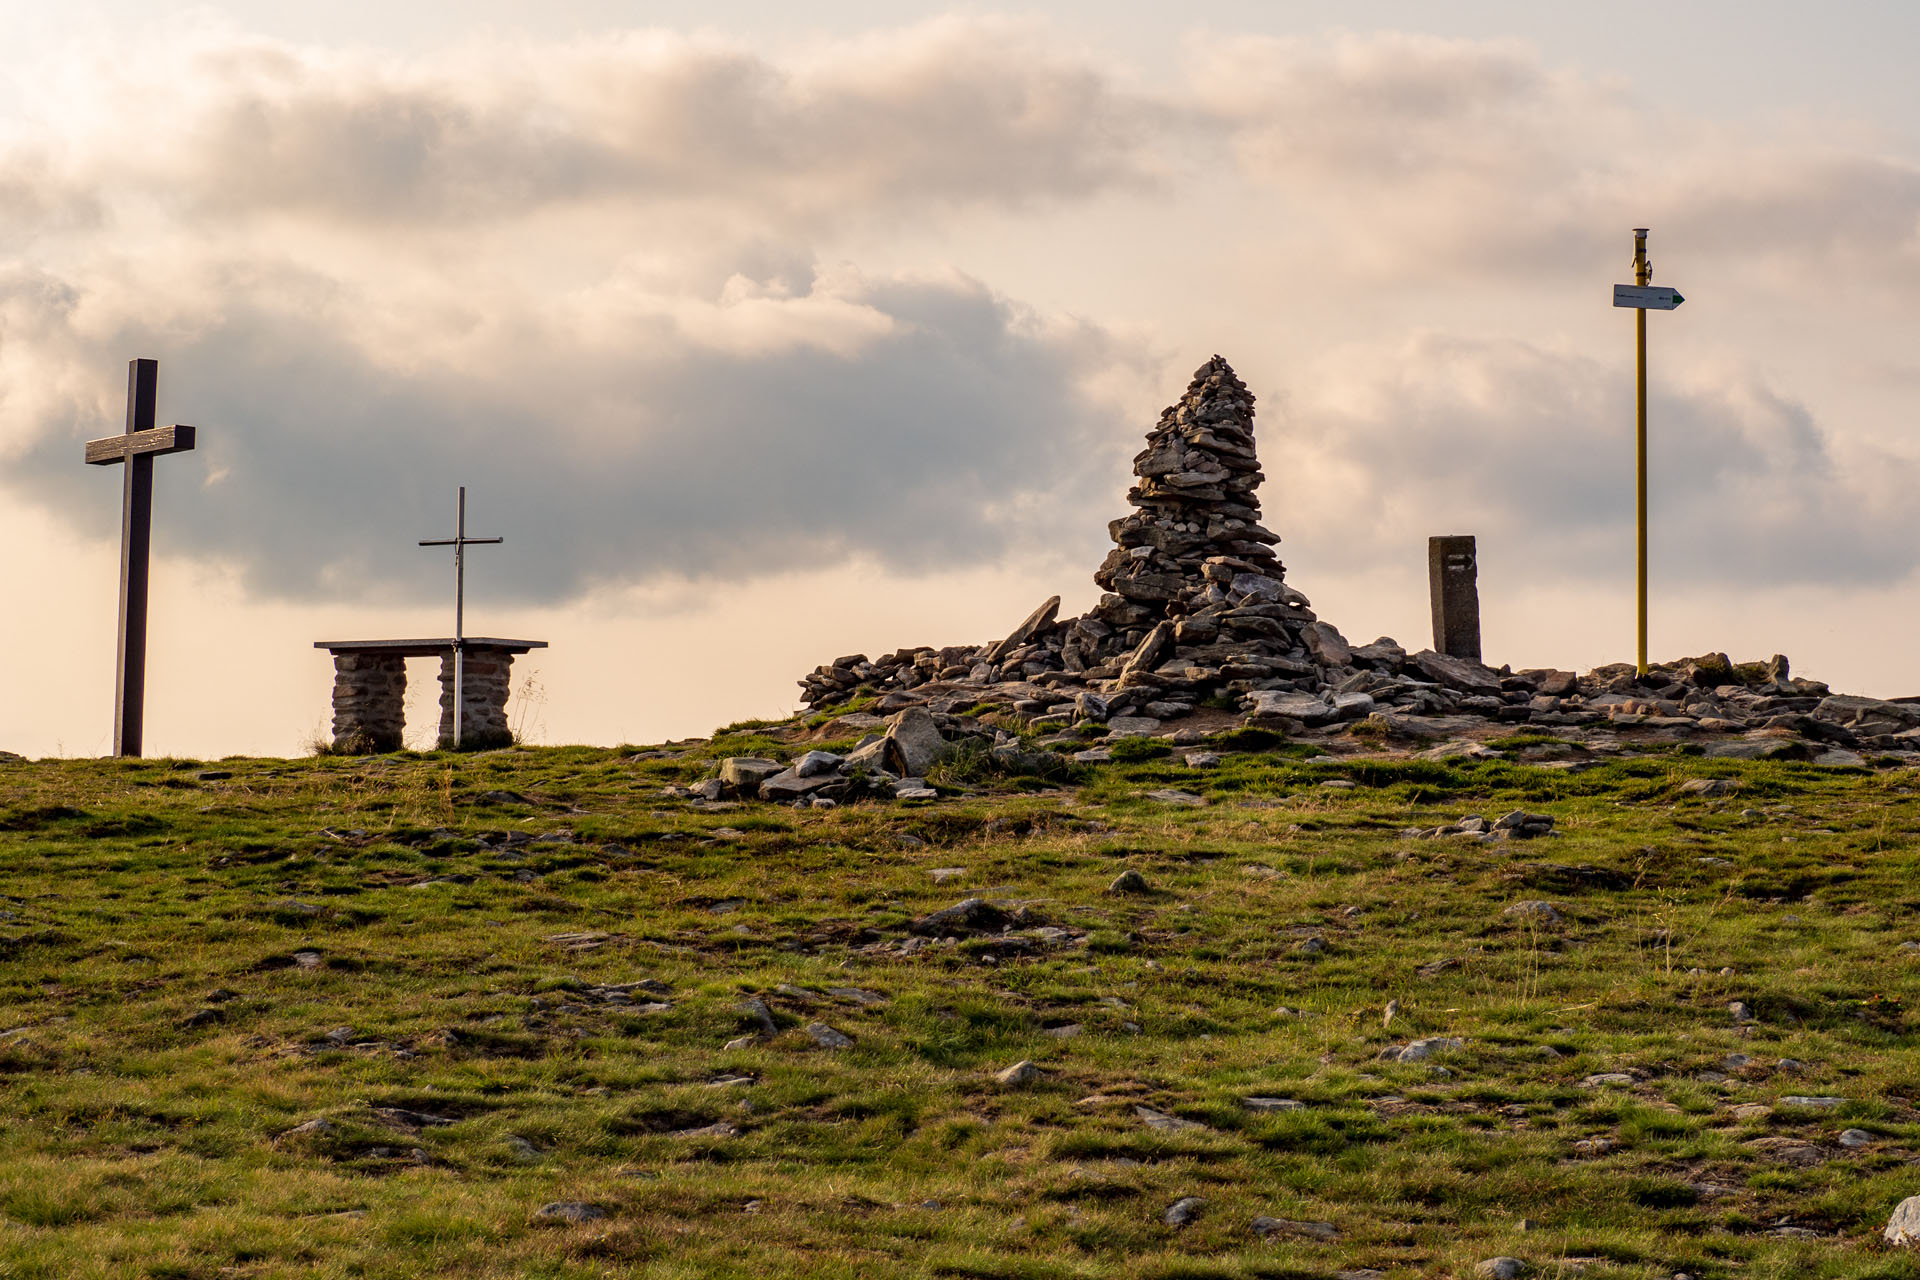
1645,297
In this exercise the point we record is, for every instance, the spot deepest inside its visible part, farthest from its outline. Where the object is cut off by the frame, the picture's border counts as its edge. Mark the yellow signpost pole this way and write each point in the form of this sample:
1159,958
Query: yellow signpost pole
1642,297
1642,275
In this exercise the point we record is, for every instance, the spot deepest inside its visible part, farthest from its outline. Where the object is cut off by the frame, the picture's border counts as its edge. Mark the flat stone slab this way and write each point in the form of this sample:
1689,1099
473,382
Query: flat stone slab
429,648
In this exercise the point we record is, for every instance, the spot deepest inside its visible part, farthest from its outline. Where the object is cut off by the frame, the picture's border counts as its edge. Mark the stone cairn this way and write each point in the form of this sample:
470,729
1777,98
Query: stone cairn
1198,624
1197,605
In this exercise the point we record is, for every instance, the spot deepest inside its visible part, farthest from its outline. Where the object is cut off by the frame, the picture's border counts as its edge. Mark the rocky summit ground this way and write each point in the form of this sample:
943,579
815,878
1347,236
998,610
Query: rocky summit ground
1608,1009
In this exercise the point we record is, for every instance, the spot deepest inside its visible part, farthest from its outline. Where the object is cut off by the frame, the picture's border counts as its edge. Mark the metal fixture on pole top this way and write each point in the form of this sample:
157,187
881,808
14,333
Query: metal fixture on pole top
459,542
1642,297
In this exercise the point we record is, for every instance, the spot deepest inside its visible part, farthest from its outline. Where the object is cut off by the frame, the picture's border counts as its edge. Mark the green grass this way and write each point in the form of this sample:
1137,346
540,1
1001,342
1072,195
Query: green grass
162,1025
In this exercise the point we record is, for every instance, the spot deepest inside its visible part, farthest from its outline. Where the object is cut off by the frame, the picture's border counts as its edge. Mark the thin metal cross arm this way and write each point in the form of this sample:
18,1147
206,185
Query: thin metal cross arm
459,542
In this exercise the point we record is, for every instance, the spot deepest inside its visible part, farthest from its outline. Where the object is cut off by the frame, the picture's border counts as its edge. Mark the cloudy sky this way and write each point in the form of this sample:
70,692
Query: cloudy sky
766,333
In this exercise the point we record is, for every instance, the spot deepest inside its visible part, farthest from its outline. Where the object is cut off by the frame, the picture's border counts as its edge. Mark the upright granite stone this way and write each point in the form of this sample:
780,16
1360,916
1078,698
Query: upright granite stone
1453,574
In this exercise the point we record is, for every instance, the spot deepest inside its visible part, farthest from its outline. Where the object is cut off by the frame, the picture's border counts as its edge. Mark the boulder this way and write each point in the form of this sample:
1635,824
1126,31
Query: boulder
1157,644
1457,673
742,775
1037,621
881,755
1328,647
815,763
789,785
918,738
1903,1225
1267,705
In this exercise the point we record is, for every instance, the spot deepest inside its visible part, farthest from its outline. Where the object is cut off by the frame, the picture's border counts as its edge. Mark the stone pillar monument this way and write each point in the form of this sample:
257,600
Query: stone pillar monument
1453,573
369,701
488,680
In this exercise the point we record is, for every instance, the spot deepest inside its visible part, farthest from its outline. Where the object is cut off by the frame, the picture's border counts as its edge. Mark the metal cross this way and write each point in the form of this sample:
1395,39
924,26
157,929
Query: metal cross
459,542
137,450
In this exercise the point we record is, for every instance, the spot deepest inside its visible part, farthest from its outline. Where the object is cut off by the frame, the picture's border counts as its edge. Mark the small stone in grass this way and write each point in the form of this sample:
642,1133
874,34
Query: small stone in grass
1855,1138
1020,1073
1420,1050
827,1038
1502,1268
1264,1226
569,1211
756,1008
1129,882
1182,1211
1167,1123
319,1127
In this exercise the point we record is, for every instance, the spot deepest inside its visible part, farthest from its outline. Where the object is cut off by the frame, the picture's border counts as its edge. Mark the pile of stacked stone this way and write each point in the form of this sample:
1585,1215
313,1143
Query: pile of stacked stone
1197,605
1198,617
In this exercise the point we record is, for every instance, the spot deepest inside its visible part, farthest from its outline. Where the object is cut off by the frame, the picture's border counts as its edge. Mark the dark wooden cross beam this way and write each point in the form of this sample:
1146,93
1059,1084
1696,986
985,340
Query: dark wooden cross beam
137,450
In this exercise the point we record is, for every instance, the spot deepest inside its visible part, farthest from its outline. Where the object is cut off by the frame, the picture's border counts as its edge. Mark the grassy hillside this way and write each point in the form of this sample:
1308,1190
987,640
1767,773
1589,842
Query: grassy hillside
367,1017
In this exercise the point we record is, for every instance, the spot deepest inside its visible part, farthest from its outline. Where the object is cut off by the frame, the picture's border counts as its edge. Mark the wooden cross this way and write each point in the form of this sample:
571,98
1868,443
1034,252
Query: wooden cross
137,450
459,542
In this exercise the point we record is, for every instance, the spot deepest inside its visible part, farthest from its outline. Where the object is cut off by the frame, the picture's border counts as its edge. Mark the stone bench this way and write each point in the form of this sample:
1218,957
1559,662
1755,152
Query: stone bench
370,690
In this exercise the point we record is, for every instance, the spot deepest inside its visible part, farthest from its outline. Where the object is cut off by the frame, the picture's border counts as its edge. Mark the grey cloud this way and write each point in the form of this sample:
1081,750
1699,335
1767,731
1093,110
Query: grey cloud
1532,450
952,113
944,442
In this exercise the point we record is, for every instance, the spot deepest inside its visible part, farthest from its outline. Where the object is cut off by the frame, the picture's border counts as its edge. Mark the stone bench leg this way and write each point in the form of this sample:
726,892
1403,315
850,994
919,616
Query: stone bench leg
369,702
483,723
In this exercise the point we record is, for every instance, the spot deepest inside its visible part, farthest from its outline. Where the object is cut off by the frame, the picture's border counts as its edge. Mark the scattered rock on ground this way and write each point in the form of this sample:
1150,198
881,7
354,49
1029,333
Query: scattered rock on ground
1502,1268
828,1038
1020,1073
1420,1050
1903,1225
1266,1228
1165,1123
1183,1211
575,1211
